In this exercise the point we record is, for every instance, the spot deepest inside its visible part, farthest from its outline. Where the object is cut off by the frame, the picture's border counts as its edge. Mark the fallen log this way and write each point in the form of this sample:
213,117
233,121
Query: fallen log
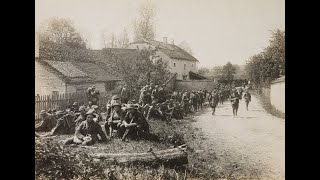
169,157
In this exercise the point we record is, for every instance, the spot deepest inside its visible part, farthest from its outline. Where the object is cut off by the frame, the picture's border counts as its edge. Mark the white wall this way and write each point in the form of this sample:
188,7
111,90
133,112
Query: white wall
46,82
179,69
277,95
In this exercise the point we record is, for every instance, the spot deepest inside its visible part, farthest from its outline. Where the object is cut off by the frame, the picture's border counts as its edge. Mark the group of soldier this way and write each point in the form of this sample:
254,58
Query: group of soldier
127,117
223,93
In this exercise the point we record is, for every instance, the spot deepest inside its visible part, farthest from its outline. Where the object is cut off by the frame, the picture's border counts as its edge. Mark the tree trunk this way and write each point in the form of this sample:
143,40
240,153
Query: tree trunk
169,157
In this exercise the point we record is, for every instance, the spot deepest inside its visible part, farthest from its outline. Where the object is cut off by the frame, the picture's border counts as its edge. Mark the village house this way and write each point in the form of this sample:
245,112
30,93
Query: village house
179,61
59,76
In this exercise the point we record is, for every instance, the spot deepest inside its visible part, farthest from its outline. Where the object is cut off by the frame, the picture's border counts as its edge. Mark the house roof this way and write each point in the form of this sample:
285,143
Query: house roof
280,79
195,76
77,72
96,72
170,50
67,69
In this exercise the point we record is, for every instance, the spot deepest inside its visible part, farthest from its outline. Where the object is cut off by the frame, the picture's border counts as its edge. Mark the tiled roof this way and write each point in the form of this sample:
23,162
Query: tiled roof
170,50
67,69
96,72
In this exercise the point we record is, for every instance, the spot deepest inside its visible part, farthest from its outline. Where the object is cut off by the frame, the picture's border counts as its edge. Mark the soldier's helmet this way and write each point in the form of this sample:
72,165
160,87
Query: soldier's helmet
75,104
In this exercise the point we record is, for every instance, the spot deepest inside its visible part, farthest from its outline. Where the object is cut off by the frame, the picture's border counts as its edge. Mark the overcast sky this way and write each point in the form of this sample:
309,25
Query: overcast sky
218,31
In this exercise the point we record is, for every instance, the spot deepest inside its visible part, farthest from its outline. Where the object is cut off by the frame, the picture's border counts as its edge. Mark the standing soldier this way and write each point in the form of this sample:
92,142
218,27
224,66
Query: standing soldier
93,95
125,95
247,98
214,101
155,94
235,102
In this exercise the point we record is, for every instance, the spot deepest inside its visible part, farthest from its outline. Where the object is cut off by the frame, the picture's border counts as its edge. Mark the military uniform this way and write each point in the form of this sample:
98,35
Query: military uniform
134,124
65,125
114,121
235,103
47,122
247,97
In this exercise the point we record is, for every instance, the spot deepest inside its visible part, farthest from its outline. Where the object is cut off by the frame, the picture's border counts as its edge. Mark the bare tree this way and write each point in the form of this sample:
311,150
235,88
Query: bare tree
144,27
123,39
112,41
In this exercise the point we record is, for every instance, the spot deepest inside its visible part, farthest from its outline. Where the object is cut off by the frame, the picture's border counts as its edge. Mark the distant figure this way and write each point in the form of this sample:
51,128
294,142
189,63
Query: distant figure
93,95
214,101
125,95
235,102
247,97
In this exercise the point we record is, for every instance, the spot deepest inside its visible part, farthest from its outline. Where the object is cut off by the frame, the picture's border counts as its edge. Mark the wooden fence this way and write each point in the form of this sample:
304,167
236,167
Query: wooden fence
45,102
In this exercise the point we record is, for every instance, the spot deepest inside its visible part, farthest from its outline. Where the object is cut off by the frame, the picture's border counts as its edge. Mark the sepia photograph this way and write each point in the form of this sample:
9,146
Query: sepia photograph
160,89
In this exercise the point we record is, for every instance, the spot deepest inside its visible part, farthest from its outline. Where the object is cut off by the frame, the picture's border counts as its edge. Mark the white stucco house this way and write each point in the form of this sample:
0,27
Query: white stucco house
179,61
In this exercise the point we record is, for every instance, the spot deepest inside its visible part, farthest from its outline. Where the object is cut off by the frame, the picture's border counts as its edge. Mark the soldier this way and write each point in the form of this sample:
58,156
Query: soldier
194,101
214,101
143,92
247,98
134,124
125,95
154,112
115,119
75,107
47,122
87,132
161,94
81,117
65,124
235,102
155,94
93,95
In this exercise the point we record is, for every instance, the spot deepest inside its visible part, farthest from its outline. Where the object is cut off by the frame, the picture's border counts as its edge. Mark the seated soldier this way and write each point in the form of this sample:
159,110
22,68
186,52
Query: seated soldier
65,124
115,119
134,125
47,122
154,111
175,110
164,110
87,132
81,117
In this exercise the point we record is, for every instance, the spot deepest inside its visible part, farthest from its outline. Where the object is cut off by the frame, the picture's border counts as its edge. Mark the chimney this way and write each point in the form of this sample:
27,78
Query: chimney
37,45
165,40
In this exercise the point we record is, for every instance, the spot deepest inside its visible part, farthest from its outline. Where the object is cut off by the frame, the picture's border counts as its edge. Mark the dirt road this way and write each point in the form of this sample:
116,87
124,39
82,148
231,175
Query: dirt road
250,146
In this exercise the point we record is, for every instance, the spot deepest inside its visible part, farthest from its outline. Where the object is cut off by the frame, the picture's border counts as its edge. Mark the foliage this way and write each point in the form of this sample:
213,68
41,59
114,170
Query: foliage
61,31
266,66
228,72
147,68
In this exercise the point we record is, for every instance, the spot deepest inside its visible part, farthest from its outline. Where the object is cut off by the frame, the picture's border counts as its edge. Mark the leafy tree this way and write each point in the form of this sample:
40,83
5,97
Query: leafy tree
268,65
228,72
61,31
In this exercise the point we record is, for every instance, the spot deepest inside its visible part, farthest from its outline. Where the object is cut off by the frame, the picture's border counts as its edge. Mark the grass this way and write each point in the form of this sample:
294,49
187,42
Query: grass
200,159
266,104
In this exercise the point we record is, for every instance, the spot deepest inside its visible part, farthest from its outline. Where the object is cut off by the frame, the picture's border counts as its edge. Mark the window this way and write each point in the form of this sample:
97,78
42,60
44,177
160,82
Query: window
55,93
109,86
185,66
174,64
